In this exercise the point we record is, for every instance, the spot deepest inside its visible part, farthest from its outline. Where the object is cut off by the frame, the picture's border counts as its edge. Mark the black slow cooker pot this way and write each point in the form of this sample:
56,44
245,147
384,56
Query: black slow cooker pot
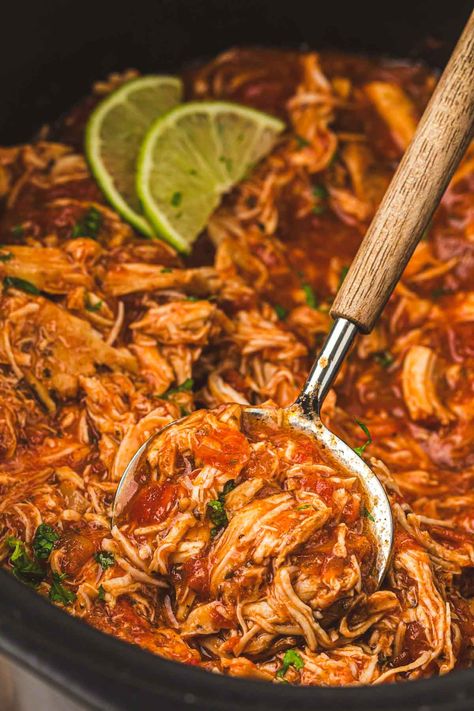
50,53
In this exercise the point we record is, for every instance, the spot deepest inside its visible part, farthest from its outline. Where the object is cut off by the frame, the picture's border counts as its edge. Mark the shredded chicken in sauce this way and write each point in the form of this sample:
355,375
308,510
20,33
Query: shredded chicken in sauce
246,554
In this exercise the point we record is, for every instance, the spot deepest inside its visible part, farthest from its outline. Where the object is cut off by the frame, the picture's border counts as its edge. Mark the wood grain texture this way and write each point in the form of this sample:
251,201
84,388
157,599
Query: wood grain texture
438,145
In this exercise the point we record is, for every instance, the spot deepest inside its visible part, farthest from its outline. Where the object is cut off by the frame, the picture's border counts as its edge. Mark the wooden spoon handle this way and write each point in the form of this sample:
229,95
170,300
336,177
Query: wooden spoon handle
440,140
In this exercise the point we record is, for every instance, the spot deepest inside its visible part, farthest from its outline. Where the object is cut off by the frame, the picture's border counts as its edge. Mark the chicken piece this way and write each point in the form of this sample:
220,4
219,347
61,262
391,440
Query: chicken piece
256,334
129,278
207,619
136,435
368,181
420,380
49,269
350,665
51,348
266,528
182,322
395,108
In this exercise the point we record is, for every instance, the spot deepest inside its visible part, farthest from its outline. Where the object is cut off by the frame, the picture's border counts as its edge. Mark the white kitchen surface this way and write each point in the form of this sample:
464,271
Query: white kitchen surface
22,691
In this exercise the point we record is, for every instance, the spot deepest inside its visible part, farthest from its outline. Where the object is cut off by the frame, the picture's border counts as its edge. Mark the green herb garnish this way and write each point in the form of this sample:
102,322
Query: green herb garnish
438,292
216,509
301,141
165,270
6,257
89,226
366,514
365,430
292,658
310,296
18,230
44,540
384,358
93,307
320,192
11,282
104,559
176,199
280,311
25,568
185,386
59,593
101,593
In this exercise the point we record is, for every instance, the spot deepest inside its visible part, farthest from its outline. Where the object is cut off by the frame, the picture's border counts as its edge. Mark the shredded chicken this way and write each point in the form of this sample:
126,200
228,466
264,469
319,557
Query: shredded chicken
246,553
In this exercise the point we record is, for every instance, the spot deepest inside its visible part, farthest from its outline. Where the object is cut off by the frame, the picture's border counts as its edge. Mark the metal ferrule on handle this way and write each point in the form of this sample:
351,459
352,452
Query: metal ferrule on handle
326,366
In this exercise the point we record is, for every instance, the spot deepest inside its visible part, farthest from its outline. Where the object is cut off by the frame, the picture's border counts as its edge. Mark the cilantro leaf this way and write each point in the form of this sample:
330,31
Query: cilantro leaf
216,508
301,141
104,559
280,311
89,226
384,358
366,514
44,540
25,568
93,307
365,430
6,257
291,658
21,284
59,593
185,386
310,296
101,593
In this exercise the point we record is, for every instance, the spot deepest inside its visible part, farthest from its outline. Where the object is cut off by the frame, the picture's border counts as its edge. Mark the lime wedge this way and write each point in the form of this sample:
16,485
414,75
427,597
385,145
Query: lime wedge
114,133
194,154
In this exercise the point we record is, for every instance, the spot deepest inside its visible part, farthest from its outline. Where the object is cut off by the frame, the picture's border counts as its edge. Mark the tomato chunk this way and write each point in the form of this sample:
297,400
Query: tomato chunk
153,503
224,448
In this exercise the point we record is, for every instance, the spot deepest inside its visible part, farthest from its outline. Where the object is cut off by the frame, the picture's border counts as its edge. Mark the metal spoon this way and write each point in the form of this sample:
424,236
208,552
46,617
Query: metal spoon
414,193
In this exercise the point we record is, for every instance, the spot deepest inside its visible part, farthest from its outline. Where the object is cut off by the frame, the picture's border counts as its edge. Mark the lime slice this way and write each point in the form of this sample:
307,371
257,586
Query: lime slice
114,133
194,154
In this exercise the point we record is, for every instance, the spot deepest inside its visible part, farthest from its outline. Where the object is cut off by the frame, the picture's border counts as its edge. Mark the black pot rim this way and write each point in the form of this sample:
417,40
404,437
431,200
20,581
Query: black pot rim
106,673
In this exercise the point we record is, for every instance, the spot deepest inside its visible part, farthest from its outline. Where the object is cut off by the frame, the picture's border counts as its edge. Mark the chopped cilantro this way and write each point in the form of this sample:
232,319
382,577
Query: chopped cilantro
216,509
366,513
185,386
342,275
21,284
301,141
365,430
93,307
291,658
89,226
320,192
18,230
101,593
310,296
59,593
166,270
303,507
104,559
6,257
193,298
384,358
25,568
44,540
280,311
216,512
176,199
